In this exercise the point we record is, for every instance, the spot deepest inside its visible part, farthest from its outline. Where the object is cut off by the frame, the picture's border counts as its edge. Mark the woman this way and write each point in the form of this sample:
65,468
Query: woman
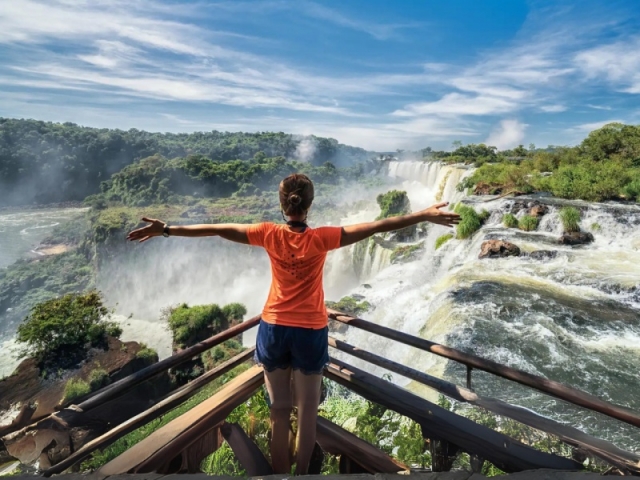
293,333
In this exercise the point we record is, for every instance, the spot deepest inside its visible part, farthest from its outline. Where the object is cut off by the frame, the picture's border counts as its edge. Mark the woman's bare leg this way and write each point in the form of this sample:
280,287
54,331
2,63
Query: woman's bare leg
307,395
278,383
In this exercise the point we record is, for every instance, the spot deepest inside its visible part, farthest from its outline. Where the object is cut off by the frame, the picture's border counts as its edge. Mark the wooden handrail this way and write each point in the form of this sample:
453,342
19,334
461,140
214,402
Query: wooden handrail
119,387
438,423
550,387
596,446
170,402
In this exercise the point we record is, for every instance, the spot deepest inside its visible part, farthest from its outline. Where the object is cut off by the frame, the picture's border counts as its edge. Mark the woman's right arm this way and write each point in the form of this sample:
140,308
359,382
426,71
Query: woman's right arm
236,232
355,233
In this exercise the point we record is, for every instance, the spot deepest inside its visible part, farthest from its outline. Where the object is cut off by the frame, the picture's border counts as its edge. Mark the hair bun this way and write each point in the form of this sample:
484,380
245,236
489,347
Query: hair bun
294,199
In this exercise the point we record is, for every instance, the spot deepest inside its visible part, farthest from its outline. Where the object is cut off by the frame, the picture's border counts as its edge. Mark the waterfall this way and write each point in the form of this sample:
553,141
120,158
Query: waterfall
573,317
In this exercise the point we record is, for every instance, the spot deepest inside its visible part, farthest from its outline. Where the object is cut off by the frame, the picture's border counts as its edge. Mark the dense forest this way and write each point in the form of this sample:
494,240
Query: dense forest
604,166
44,162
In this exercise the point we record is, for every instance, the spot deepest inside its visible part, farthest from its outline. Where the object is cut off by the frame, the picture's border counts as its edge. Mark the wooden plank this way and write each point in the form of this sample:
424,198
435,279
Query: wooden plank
168,441
190,459
595,446
440,424
121,386
550,387
247,452
145,417
338,441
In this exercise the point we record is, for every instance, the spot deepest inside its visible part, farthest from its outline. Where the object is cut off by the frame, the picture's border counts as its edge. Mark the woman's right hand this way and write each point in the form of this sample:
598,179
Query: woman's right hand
154,229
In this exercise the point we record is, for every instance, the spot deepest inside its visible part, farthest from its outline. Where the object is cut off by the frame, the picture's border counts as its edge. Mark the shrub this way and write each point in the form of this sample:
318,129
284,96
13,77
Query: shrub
570,218
510,221
528,223
442,239
64,326
149,355
350,305
75,388
393,203
98,378
484,215
191,324
470,221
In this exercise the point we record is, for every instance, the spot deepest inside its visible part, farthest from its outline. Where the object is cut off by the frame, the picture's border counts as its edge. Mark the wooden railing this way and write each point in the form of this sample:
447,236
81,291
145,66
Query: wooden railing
448,432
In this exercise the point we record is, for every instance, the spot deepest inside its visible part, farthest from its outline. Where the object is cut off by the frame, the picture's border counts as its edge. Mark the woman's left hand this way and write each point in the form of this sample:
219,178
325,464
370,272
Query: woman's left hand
433,214
155,229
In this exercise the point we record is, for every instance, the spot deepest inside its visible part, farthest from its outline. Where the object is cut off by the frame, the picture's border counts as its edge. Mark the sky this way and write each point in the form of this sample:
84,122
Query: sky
382,75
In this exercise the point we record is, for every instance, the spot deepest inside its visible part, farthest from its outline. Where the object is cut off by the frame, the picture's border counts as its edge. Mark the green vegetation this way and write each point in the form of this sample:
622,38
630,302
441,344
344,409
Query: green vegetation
605,166
470,221
45,158
75,388
570,218
405,252
27,283
149,355
60,330
528,223
221,353
351,305
393,204
509,220
442,239
98,378
156,180
596,227
192,324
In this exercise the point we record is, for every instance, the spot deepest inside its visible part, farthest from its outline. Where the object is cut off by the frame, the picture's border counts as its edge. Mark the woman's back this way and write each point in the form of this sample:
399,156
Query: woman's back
296,297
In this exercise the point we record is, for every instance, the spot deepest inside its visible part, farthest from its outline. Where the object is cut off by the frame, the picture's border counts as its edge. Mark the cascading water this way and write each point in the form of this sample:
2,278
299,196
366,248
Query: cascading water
573,317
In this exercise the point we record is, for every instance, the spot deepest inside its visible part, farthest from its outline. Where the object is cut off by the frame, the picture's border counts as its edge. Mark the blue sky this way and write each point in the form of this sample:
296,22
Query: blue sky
377,74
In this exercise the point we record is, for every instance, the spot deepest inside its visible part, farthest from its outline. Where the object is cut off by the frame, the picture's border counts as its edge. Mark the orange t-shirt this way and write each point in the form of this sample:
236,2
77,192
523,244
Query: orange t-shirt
296,297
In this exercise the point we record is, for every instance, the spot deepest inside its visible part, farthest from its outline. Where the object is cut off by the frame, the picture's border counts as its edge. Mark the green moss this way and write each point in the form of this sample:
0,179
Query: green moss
509,220
350,305
442,239
570,218
484,215
75,388
528,223
596,227
405,252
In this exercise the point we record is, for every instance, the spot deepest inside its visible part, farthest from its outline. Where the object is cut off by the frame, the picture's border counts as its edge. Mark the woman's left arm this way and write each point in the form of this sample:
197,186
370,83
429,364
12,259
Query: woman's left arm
236,232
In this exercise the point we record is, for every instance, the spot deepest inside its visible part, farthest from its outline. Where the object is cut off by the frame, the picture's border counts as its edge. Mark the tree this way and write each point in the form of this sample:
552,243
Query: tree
61,330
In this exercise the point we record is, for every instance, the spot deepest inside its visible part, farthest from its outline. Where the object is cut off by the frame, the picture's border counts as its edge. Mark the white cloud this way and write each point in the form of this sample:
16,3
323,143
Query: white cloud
459,104
553,108
589,127
508,134
599,107
617,62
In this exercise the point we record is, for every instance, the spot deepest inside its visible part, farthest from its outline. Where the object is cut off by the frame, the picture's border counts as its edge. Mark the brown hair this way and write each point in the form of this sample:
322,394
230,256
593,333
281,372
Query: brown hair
296,194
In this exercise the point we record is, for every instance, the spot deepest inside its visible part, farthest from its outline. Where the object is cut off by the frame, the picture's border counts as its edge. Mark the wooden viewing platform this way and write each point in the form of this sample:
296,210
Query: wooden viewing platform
182,444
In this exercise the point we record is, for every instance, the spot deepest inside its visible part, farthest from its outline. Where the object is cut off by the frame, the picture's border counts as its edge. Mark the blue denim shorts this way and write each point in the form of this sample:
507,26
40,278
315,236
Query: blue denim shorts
304,349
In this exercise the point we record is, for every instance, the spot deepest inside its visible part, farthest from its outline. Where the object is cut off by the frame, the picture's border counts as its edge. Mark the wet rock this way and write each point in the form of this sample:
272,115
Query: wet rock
483,188
498,248
538,210
543,254
576,238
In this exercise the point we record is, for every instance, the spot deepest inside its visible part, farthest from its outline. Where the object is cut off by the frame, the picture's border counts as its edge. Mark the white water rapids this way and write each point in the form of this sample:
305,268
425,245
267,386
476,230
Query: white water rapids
574,318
